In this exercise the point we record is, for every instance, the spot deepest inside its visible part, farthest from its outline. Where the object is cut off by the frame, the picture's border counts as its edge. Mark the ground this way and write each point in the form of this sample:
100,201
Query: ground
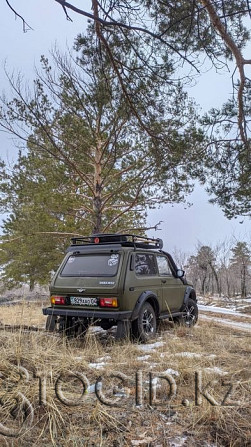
188,387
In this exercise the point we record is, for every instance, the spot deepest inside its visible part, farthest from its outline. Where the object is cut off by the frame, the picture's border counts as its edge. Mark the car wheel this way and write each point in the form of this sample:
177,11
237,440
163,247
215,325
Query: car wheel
144,327
190,313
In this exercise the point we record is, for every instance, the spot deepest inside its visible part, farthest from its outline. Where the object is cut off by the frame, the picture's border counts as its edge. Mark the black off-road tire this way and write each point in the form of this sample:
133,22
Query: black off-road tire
144,327
190,317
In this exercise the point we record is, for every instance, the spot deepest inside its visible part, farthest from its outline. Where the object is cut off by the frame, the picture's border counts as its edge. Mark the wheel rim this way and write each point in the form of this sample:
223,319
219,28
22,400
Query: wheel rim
148,322
190,316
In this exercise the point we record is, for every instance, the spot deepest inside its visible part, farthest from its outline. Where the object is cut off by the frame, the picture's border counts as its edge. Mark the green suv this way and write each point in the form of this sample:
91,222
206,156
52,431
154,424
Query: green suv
119,279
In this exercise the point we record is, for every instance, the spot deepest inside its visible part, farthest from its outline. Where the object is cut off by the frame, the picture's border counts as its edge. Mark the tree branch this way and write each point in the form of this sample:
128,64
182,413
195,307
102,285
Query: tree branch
240,62
26,26
53,233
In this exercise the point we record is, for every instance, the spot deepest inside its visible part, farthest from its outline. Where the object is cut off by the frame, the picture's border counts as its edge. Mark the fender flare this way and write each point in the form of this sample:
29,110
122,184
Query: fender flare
189,292
145,296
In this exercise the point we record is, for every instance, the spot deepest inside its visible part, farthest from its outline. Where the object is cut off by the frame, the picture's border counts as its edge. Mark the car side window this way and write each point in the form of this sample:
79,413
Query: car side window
145,264
163,266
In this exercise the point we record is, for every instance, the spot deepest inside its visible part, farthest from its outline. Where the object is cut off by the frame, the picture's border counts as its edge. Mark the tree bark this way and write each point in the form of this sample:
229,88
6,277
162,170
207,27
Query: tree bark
97,200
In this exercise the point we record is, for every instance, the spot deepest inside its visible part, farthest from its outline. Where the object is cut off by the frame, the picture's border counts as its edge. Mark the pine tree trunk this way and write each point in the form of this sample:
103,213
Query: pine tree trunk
243,282
32,284
204,285
98,214
97,201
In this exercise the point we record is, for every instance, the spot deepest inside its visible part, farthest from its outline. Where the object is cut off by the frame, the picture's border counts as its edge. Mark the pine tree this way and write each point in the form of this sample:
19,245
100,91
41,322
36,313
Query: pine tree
88,165
240,266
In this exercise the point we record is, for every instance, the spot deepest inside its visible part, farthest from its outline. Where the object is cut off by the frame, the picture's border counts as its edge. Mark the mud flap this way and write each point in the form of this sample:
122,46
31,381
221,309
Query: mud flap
123,329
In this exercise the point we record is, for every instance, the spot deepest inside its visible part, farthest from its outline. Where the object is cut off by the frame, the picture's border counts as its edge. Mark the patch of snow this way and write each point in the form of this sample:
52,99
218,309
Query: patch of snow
216,370
234,324
106,357
155,381
91,388
144,357
188,354
97,365
122,393
163,354
96,329
179,441
118,393
151,346
171,371
222,310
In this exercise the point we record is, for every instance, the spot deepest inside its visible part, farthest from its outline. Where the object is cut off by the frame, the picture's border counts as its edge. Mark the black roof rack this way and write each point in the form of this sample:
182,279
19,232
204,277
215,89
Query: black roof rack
123,239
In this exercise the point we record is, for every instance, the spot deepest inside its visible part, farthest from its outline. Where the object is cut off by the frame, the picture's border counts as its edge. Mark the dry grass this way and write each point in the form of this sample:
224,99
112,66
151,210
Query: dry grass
222,354
25,313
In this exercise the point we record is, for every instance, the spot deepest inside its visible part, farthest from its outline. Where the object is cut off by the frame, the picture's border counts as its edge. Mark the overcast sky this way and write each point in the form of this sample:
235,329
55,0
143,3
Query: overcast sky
181,228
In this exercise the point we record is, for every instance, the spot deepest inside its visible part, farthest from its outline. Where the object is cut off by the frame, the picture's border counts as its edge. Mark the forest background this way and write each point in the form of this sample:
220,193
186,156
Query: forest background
234,18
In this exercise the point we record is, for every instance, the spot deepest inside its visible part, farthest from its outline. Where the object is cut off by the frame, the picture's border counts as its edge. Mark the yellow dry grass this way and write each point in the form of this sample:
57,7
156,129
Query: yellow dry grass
219,355
26,313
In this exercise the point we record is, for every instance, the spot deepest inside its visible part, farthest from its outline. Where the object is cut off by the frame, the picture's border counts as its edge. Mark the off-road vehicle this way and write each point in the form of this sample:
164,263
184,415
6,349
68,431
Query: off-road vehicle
123,280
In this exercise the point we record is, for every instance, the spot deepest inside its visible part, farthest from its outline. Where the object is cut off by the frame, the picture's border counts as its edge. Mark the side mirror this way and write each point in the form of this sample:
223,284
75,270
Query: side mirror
180,273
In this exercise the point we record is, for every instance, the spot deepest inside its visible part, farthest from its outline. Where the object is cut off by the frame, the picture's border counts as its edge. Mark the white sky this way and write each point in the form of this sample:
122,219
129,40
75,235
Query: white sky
181,228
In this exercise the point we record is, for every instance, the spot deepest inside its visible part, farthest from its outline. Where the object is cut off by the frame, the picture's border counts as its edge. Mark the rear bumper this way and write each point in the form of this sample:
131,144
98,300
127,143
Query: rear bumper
92,314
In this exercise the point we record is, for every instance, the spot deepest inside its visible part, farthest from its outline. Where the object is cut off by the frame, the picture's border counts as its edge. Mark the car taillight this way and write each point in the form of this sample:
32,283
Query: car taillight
57,300
108,302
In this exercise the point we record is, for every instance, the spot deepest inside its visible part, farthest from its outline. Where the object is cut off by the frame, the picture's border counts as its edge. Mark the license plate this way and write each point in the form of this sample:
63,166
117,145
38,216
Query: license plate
83,301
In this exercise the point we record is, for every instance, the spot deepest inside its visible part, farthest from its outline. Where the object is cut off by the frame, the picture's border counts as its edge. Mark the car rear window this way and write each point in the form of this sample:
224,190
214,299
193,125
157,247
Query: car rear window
91,265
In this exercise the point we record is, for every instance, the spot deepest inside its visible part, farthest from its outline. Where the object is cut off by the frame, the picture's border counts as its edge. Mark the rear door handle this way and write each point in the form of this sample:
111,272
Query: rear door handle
163,281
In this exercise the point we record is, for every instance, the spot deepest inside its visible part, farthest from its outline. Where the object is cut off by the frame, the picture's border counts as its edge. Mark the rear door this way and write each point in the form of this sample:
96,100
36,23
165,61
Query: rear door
88,275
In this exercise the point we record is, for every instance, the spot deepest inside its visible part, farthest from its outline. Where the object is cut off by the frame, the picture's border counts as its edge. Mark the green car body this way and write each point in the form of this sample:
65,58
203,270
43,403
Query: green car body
122,280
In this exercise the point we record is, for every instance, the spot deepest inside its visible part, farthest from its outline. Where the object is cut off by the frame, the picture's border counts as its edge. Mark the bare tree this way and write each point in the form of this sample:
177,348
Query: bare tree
204,270
224,269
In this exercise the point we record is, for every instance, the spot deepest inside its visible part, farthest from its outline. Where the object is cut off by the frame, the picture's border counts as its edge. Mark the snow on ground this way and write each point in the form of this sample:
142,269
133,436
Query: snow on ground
102,359
231,323
235,303
216,370
151,346
232,309
171,371
222,310
188,354
143,357
100,365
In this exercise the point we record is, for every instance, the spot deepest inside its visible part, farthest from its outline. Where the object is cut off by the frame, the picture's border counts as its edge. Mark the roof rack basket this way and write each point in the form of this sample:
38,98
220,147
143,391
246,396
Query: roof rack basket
123,239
